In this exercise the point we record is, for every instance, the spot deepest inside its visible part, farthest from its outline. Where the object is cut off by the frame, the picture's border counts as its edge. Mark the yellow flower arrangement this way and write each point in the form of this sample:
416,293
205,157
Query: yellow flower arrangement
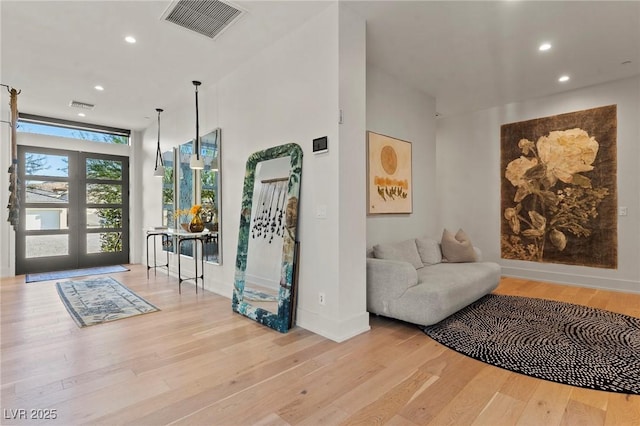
194,210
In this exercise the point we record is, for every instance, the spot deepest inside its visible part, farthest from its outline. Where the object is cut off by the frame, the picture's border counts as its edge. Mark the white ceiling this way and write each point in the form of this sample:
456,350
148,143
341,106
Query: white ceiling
468,55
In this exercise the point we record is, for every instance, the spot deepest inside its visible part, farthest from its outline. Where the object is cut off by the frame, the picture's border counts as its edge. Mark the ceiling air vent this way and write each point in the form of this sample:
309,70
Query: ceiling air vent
82,105
206,17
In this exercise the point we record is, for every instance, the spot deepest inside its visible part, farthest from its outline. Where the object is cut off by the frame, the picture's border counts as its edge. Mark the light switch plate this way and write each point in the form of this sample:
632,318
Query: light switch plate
321,211
320,145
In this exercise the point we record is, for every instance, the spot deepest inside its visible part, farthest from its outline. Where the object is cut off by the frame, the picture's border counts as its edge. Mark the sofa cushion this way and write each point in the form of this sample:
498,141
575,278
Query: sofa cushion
444,289
429,250
457,248
405,251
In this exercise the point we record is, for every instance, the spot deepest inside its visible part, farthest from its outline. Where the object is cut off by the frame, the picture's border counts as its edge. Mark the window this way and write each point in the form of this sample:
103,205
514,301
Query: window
28,123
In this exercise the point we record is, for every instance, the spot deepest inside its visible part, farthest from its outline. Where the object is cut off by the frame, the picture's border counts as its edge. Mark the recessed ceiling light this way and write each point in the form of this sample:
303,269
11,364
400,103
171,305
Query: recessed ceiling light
563,78
98,87
544,46
81,114
130,39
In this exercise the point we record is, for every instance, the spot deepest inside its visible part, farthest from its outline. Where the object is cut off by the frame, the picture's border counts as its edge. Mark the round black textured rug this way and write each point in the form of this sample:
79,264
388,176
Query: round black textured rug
557,341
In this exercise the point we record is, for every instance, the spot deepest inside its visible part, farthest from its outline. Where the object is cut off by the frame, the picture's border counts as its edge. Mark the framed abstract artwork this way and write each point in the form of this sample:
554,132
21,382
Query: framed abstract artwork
389,182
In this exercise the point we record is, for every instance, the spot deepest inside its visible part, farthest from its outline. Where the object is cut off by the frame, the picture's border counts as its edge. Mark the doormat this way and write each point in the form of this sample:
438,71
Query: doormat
561,342
57,275
97,300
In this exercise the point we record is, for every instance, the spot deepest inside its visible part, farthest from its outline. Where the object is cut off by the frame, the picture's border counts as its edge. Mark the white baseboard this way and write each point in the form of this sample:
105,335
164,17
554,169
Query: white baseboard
590,281
220,288
338,331
216,286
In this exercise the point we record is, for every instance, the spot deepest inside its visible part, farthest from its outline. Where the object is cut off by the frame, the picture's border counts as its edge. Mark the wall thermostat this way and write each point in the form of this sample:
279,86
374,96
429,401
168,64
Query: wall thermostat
320,145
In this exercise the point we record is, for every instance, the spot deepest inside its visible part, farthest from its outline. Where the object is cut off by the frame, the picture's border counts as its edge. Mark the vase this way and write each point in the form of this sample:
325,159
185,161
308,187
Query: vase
196,224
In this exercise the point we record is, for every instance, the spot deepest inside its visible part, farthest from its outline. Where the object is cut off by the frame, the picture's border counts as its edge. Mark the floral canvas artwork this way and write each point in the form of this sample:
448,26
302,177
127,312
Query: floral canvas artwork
389,175
558,189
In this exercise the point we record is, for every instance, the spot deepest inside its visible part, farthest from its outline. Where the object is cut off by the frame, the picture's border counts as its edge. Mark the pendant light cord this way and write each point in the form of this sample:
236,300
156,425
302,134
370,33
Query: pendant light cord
197,83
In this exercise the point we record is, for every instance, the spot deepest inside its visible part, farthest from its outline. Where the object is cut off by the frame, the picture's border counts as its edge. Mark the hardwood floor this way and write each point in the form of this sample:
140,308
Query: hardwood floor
196,362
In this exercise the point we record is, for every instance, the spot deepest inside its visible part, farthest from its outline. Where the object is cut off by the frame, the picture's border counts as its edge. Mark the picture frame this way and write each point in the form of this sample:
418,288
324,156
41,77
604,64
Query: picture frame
389,175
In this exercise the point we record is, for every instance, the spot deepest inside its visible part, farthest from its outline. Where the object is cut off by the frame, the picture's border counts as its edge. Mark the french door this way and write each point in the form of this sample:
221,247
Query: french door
74,210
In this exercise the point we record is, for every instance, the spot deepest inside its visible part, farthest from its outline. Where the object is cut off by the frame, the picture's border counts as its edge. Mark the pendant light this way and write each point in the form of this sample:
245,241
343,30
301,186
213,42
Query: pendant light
196,162
159,171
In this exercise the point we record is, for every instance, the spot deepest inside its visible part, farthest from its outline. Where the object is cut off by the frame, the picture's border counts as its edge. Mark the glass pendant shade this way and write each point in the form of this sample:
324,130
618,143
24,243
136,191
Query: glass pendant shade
159,172
196,162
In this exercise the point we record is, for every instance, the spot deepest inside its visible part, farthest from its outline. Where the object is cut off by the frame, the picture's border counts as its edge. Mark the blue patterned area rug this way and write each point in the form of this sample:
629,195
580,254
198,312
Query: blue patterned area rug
57,275
556,341
96,300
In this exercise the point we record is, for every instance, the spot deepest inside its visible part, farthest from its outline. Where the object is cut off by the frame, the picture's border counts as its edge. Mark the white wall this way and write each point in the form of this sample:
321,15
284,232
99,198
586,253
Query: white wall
398,110
7,235
287,93
468,162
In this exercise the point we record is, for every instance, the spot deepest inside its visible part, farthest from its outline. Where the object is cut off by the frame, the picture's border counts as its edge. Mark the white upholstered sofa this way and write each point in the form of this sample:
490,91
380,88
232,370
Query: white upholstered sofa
413,282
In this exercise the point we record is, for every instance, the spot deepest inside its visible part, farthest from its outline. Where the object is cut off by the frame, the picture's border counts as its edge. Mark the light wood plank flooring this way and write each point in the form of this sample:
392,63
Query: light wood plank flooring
196,362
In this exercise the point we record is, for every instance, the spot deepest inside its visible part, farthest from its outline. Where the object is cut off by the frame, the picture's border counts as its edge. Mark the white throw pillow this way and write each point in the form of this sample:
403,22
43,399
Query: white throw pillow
429,250
457,248
405,251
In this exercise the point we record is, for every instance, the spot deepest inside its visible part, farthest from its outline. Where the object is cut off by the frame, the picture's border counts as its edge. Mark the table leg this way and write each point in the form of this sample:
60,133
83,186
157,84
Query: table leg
147,257
155,261
155,265
165,240
179,275
195,262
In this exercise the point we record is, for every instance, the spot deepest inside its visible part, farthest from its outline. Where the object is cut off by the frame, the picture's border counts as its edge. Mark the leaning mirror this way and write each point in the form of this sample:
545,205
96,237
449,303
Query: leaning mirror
265,278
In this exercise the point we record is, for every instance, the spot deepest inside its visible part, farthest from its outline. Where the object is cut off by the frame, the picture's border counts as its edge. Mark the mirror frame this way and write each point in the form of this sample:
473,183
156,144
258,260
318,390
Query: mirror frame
283,320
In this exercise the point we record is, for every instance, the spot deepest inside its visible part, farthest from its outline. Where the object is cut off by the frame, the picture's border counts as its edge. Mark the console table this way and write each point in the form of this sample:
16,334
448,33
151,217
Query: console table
202,237
182,236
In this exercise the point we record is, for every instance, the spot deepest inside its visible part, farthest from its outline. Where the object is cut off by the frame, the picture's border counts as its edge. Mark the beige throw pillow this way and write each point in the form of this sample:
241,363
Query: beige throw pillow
457,248
405,251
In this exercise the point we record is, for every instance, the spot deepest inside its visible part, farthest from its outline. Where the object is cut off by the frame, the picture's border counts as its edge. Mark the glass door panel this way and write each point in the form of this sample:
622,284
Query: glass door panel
39,246
106,242
104,218
50,192
100,193
39,162
104,169
45,219
104,233
45,234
